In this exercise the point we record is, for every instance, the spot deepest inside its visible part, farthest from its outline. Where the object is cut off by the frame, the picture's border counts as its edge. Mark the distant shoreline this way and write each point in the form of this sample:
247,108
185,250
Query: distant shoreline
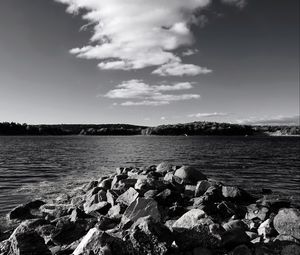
186,129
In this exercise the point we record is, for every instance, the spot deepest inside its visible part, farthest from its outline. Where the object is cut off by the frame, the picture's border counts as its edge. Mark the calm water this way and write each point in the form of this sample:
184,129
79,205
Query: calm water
43,166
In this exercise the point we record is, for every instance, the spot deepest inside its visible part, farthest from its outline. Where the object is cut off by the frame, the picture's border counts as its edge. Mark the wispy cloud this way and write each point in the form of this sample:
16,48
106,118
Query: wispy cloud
278,120
189,52
179,69
208,115
139,33
149,94
238,3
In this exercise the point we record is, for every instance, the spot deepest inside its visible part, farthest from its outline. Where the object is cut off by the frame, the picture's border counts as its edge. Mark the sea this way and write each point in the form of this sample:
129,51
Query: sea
46,166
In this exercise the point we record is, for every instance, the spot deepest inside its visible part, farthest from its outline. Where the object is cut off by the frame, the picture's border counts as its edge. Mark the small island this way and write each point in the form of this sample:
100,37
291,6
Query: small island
160,209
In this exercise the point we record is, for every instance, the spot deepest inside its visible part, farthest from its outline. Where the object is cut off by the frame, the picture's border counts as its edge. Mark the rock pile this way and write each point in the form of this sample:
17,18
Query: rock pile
162,209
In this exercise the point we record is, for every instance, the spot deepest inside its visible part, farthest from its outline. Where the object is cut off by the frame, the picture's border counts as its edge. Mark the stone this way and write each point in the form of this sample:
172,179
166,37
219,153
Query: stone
241,250
189,175
164,167
257,211
235,224
115,212
168,177
56,210
167,197
112,195
20,212
286,238
67,232
266,228
141,207
28,243
287,222
234,237
201,187
78,214
116,179
228,209
101,207
151,193
192,230
148,184
252,235
128,196
189,190
291,249
105,184
99,242
150,237
90,185
125,184
234,193
105,223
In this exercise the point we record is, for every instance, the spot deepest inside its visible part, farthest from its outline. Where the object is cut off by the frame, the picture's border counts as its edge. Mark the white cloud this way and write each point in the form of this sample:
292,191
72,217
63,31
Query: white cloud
135,34
238,3
278,120
189,52
207,115
149,94
179,69
145,102
163,118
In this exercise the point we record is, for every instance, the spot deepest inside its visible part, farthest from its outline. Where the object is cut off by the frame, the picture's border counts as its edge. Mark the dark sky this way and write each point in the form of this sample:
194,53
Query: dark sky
253,53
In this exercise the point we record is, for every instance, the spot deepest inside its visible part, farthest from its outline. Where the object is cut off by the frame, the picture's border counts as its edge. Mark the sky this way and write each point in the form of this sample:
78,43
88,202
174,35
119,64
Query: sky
149,62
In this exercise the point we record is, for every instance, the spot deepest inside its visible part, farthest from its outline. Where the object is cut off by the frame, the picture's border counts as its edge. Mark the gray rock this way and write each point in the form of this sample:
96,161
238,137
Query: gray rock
235,224
141,207
168,177
192,230
164,167
150,237
201,187
266,228
28,243
128,196
256,211
99,242
287,222
105,184
189,175
101,207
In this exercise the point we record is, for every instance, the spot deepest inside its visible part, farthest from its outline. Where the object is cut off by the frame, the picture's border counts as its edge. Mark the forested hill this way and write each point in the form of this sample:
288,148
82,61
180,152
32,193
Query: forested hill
189,129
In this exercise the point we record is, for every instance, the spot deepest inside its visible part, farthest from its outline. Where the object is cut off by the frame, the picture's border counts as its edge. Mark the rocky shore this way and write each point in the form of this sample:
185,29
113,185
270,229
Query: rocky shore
162,209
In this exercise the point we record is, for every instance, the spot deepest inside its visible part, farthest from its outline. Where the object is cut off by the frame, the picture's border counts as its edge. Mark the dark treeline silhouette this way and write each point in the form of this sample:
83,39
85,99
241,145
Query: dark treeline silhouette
193,128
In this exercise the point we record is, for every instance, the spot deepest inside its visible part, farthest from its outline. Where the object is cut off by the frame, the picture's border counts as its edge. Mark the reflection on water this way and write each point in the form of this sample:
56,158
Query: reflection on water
43,166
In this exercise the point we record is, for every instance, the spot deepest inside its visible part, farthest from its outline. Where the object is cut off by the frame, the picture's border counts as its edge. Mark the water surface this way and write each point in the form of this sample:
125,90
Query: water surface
38,166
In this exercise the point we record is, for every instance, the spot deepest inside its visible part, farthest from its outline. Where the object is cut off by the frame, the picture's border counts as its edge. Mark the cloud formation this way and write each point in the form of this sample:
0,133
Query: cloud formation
152,95
135,34
208,115
279,120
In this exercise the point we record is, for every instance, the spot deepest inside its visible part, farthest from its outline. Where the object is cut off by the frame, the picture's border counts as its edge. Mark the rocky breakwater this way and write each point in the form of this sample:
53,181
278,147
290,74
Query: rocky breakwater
162,209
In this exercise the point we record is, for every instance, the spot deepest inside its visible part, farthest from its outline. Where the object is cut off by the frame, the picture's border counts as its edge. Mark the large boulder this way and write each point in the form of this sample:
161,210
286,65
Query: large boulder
150,237
287,222
189,175
234,193
141,207
28,243
23,212
193,230
99,242
202,187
